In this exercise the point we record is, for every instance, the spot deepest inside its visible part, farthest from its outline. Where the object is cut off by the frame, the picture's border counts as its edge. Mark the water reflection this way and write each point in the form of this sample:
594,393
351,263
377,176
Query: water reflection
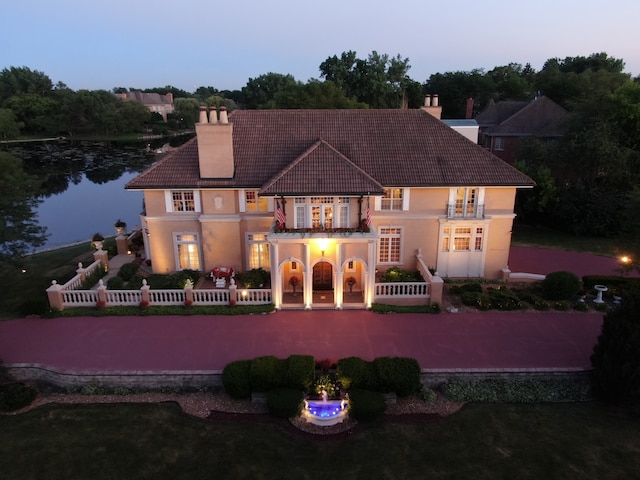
81,184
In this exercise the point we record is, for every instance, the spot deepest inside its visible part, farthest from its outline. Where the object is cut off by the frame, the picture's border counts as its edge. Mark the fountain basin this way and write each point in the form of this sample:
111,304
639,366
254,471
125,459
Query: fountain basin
325,412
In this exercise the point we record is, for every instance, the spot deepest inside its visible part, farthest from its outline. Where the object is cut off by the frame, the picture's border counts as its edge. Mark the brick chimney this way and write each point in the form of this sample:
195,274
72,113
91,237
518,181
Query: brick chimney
469,111
215,145
431,106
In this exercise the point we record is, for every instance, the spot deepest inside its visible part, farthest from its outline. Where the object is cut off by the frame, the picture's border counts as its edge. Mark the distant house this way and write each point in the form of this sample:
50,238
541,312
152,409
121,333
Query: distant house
328,200
503,124
161,104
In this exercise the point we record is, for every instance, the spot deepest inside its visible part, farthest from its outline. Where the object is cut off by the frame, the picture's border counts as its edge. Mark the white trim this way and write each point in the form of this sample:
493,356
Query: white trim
242,201
168,198
405,199
377,203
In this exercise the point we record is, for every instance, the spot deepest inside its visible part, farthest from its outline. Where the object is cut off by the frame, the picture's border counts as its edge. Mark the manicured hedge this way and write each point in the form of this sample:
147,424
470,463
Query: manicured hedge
366,405
398,374
267,372
236,379
354,372
284,402
14,396
560,285
300,372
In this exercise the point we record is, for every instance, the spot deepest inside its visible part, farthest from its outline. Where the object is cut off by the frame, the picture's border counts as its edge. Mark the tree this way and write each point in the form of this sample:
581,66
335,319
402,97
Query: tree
616,356
454,88
9,128
380,81
19,231
186,111
22,80
260,92
512,82
316,95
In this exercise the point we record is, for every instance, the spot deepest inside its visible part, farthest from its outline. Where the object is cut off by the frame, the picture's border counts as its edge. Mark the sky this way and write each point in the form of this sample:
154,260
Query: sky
98,44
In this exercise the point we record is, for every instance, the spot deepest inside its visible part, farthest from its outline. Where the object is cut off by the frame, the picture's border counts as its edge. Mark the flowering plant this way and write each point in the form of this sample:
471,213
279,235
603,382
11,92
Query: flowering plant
100,303
188,303
351,280
144,303
294,280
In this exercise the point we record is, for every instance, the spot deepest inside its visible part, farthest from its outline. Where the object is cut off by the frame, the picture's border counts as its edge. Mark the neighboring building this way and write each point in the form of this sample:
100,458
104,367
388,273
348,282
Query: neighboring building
329,197
503,124
161,104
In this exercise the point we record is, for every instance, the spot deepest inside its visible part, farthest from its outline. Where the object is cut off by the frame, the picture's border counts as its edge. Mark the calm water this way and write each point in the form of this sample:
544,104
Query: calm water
82,186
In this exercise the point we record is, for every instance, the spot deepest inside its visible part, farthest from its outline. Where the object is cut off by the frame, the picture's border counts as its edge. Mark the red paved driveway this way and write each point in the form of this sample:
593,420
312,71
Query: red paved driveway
445,341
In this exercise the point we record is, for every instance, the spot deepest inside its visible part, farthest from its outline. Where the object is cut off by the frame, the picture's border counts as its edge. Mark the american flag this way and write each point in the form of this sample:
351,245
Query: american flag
368,214
281,218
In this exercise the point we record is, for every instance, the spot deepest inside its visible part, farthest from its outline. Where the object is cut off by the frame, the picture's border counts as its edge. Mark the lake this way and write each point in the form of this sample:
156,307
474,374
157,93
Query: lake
82,185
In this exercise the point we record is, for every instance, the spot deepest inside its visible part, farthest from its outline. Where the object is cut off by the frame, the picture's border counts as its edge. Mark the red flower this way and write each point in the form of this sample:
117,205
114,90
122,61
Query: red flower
144,303
100,303
351,280
294,280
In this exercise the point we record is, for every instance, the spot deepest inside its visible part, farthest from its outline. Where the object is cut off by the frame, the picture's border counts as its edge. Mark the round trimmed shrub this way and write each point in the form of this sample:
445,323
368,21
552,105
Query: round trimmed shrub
14,396
128,270
354,372
235,379
560,285
267,372
398,374
300,371
284,402
366,405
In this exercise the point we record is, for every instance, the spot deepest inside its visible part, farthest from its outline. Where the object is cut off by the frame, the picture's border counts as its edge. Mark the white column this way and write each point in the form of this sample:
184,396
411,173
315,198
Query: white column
338,291
371,271
308,277
276,276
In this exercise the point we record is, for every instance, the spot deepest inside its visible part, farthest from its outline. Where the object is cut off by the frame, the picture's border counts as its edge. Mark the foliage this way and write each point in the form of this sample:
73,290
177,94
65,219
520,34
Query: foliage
502,298
476,300
176,280
284,402
354,372
128,270
235,379
261,92
426,394
19,229
267,372
398,374
472,286
366,405
300,371
254,278
14,396
397,274
542,389
163,310
616,356
328,383
560,285
384,308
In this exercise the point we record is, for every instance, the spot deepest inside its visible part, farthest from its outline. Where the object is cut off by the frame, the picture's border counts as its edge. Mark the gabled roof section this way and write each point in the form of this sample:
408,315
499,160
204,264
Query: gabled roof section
496,113
541,117
396,148
322,170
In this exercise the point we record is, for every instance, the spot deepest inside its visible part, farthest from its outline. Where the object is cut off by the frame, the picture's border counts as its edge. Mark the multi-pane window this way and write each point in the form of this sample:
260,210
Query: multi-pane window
389,245
462,239
466,201
188,251
258,250
322,212
255,203
446,239
499,143
392,199
183,201
479,238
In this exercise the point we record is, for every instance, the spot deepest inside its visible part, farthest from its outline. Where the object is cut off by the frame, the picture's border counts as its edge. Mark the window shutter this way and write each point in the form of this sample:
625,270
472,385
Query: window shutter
405,199
168,200
242,200
377,202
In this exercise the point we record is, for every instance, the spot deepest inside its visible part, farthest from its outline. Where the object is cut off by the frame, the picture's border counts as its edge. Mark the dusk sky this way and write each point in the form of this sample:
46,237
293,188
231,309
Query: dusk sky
97,44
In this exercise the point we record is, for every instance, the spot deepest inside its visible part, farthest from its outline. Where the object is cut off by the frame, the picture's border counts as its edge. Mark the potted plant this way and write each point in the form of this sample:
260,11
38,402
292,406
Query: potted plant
351,281
97,240
294,281
120,226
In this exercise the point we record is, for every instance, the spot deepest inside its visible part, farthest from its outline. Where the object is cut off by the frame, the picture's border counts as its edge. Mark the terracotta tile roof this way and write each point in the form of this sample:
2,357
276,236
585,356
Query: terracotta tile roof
322,170
402,148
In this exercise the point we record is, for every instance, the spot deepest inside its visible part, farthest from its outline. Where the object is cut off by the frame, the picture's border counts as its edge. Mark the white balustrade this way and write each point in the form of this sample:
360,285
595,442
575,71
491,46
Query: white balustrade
211,297
79,298
402,289
123,297
258,296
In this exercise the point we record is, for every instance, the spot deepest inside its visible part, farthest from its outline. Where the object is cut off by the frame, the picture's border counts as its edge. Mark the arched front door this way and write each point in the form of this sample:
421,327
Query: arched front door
323,276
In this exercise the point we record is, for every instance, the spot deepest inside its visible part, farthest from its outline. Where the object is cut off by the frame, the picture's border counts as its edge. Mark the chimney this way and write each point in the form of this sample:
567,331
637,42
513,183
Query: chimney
215,145
224,118
203,115
469,111
431,106
169,96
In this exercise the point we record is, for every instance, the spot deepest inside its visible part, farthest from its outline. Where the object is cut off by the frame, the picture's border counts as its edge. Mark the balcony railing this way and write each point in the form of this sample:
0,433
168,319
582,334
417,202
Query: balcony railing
467,212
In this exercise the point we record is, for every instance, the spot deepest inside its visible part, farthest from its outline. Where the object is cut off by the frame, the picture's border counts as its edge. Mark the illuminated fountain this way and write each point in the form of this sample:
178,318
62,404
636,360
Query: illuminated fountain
325,412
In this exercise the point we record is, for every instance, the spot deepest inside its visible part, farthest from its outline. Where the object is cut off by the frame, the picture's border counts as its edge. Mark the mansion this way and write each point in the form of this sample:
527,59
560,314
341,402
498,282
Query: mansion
328,200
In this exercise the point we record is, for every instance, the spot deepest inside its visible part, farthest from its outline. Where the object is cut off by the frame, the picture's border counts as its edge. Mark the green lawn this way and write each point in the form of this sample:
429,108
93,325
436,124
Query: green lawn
483,441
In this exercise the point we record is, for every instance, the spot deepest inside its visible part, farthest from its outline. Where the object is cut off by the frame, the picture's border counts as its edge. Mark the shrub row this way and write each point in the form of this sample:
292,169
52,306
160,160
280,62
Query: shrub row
266,373
14,396
385,374
518,391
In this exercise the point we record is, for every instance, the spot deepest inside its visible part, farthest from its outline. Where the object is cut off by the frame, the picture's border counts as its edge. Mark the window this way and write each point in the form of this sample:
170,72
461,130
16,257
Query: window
499,144
351,266
255,203
446,239
462,239
321,212
389,246
258,251
182,201
392,199
479,239
465,202
188,251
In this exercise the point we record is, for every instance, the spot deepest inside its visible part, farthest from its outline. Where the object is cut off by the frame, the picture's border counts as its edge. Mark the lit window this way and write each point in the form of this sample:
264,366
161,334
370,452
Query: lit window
188,251
466,201
255,203
389,246
183,201
258,251
392,199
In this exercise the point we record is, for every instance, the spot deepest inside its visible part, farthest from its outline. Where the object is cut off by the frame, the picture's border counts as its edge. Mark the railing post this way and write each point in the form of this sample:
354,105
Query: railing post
146,297
103,257
54,294
82,272
437,286
232,293
122,244
188,292
102,292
